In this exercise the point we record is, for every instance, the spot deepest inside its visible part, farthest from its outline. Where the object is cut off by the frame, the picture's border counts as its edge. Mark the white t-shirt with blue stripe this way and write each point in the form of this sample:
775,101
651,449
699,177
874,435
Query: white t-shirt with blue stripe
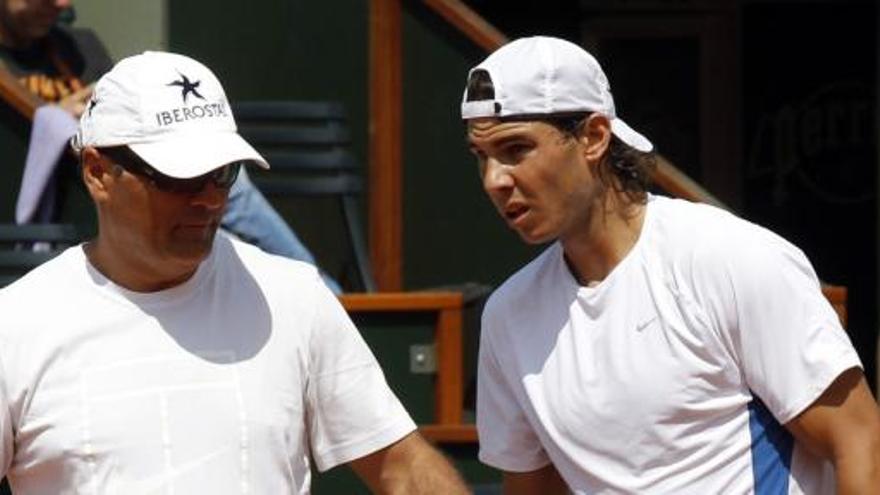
674,374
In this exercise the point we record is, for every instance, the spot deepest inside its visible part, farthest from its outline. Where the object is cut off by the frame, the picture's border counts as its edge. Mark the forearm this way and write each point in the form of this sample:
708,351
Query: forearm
421,471
843,426
858,469
411,467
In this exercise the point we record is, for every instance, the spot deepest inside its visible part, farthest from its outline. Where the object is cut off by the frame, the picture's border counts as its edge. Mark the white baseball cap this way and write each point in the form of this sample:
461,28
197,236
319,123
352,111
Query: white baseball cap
542,76
170,110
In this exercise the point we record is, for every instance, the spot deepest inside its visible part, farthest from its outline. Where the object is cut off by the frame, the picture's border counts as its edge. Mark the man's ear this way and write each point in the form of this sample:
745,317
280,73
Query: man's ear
97,170
595,136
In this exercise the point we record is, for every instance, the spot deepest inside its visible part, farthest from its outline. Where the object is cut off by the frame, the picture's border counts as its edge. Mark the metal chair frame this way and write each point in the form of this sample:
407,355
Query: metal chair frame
308,146
24,247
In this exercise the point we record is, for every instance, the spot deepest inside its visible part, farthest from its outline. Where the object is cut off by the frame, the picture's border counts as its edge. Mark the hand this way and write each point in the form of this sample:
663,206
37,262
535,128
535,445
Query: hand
75,103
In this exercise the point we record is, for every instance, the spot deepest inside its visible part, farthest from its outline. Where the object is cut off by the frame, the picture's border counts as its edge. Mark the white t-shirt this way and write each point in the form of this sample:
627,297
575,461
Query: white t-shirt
228,383
672,375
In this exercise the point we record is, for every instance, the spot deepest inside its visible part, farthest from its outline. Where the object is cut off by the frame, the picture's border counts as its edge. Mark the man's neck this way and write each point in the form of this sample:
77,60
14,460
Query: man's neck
132,273
611,230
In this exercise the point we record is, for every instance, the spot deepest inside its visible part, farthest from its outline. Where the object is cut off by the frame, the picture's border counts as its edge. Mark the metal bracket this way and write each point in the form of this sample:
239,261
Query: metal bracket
422,359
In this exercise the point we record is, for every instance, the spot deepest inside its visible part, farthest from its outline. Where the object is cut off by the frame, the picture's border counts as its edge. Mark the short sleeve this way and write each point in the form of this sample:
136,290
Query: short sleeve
507,440
786,336
351,410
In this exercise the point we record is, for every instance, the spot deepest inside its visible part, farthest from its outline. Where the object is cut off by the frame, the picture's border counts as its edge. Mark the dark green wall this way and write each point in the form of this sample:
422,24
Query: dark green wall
13,137
282,49
318,50
451,231
279,48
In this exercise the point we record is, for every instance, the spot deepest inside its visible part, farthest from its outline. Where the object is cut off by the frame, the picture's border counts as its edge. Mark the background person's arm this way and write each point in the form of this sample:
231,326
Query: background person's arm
75,103
843,425
410,466
544,481
6,439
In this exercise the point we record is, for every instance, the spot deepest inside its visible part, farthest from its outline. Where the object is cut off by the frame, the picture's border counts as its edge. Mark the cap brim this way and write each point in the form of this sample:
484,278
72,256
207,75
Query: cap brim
190,155
629,136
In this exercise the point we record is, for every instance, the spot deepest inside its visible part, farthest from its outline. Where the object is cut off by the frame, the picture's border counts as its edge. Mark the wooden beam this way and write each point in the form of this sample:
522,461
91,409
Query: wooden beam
17,96
675,182
401,301
449,392
836,295
448,306
463,433
469,23
385,193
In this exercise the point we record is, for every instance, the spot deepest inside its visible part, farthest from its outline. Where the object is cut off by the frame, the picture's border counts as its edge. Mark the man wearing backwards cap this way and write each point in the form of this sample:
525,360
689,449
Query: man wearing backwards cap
656,346
163,356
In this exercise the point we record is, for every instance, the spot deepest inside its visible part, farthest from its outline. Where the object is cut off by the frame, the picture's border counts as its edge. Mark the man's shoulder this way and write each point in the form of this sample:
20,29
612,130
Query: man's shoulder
700,232
39,291
524,284
704,243
47,273
676,216
268,267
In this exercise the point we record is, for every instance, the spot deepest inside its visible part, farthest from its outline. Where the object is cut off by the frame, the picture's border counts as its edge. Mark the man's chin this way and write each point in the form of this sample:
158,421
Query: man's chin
193,248
534,238
195,234
197,250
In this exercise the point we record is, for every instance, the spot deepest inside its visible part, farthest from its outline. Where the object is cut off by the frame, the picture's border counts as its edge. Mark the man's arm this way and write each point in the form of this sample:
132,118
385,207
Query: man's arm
76,102
409,466
843,425
544,481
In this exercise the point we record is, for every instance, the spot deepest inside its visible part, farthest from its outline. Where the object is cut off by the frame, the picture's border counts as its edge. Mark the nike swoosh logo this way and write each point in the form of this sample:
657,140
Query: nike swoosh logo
645,324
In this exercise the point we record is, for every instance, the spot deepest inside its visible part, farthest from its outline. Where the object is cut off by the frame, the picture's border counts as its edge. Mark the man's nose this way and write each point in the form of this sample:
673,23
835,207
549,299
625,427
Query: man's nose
211,197
496,176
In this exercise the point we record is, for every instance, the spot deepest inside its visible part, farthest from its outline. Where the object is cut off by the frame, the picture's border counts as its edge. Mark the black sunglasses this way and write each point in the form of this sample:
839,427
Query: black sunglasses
222,177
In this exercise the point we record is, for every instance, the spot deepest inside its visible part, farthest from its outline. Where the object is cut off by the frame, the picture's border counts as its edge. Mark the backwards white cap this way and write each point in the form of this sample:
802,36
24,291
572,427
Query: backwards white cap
543,76
169,109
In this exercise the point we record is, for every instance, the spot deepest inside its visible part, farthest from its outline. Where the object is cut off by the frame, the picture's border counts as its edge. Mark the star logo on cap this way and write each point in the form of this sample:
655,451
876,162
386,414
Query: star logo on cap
187,87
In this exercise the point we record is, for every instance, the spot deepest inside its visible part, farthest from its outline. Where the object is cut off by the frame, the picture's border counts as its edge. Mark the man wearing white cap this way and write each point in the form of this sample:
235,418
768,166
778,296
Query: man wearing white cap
656,346
163,357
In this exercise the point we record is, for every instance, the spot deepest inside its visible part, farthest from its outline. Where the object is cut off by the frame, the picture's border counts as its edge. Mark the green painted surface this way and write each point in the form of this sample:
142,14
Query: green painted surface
318,50
390,337
282,49
126,27
452,233
13,139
